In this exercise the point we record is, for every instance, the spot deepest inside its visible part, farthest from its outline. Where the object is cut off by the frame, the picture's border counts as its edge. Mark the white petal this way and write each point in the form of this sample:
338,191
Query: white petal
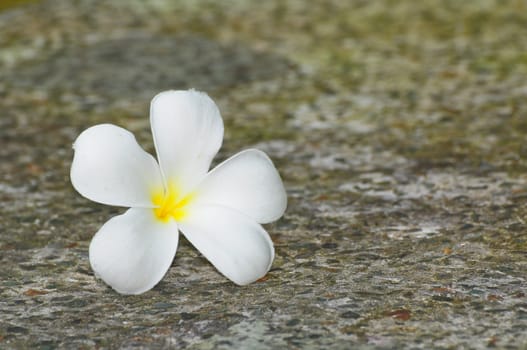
247,182
236,245
110,167
133,251
188,132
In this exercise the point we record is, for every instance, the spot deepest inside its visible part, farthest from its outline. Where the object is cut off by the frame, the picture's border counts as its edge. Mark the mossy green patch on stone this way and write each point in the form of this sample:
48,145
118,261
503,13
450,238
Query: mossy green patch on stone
7,4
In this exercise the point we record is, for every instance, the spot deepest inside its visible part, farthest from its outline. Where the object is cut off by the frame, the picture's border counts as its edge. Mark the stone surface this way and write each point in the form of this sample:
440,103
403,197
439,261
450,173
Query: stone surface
399,128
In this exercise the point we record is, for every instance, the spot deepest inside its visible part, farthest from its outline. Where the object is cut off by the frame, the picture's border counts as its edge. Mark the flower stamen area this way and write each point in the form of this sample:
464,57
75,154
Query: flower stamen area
169,204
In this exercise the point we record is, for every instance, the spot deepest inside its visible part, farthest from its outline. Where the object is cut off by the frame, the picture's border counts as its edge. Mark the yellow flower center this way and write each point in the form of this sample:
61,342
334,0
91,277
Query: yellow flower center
170,204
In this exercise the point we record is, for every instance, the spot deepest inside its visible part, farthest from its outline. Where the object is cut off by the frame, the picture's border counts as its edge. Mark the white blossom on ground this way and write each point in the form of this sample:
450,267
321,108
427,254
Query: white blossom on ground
218,211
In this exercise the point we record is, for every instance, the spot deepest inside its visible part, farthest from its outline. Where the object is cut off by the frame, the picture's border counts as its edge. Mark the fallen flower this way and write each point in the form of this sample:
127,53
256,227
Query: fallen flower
219,212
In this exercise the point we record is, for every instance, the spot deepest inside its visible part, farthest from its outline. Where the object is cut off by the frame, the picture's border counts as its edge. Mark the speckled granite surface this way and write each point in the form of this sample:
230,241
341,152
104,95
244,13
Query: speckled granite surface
399,128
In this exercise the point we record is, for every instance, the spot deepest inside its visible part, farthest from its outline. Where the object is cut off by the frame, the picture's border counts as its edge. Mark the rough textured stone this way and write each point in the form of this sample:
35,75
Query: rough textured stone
142,64
400,130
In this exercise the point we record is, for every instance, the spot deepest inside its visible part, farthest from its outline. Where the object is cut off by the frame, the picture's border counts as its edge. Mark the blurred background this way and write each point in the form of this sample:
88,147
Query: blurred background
399,129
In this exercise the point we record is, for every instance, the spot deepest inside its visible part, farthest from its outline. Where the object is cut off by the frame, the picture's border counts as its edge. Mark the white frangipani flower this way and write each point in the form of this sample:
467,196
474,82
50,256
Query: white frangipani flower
219,212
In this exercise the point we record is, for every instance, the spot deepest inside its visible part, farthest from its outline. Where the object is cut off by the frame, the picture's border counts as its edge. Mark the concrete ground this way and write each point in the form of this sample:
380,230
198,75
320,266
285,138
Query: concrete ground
399,129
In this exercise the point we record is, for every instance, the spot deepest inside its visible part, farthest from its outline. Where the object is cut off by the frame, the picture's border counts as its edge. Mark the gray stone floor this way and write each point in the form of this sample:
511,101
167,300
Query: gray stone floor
399,128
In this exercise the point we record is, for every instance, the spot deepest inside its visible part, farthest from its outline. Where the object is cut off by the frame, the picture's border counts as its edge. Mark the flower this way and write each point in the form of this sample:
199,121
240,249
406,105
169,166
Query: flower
218,211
